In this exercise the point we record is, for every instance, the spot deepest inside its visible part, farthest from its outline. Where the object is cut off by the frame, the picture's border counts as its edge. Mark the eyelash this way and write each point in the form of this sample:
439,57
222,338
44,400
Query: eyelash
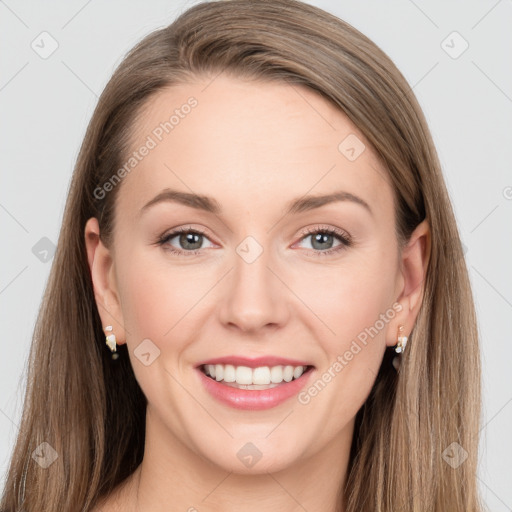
343,237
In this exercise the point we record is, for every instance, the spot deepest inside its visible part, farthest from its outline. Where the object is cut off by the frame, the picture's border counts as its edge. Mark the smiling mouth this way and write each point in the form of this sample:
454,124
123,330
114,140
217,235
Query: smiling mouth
260,378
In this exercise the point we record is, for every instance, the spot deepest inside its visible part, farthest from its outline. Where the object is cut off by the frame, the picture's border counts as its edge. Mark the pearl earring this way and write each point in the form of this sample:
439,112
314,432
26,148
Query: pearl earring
402,340
110,340
400,347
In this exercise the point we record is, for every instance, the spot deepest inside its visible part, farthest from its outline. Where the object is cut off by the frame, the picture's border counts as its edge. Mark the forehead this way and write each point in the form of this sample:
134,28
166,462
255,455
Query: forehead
250,144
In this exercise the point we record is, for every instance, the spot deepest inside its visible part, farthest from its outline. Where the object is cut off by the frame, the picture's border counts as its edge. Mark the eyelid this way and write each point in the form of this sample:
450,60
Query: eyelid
185,229
324,228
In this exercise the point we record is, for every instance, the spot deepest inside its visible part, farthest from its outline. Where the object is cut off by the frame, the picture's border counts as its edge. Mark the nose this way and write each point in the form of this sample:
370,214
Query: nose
254,298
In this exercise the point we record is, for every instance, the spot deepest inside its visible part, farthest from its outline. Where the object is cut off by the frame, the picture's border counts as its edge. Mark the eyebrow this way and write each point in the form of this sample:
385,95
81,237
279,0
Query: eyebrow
210,205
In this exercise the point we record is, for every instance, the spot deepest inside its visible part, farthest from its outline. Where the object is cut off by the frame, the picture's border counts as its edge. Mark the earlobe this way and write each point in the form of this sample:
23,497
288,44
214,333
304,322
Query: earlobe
105,292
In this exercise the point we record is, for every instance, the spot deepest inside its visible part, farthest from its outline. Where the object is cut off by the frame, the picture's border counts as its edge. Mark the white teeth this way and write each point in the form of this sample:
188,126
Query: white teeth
229,373
298,371
288,373
276,374
219,372
243,375
263,375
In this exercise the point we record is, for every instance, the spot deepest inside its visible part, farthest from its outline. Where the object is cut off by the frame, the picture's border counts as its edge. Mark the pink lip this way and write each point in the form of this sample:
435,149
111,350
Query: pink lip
255,361
254,400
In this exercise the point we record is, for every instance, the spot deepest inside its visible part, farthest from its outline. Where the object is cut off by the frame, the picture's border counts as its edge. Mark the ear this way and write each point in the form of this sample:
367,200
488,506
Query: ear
411,281
103,279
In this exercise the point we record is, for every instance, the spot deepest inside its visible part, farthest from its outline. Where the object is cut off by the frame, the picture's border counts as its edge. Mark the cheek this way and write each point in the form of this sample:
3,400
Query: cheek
156,303
348,298
356,308
161,300
151,299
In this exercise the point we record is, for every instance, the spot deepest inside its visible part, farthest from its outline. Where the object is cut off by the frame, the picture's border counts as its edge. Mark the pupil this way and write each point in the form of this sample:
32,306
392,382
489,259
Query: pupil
321,238
189,238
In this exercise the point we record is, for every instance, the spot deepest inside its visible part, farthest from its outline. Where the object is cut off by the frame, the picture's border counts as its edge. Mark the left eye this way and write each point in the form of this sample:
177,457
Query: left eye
189,240
322,240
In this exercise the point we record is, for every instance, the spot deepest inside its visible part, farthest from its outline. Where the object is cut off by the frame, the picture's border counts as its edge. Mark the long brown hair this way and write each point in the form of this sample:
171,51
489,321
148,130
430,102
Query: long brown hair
91,410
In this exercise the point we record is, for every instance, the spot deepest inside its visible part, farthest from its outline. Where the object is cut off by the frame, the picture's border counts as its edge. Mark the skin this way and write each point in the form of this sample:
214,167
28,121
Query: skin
253,147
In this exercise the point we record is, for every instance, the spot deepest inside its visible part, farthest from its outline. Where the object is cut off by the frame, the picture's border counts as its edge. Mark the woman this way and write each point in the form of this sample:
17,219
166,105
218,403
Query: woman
315,347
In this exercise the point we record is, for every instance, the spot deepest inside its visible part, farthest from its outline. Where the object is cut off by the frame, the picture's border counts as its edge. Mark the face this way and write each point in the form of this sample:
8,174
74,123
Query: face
263,278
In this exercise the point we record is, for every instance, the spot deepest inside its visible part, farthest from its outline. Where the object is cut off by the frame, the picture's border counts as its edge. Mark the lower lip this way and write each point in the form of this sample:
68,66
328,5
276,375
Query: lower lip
254,400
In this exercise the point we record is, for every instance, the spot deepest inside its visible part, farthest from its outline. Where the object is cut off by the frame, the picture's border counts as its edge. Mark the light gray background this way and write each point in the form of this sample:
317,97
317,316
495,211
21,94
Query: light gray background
46,105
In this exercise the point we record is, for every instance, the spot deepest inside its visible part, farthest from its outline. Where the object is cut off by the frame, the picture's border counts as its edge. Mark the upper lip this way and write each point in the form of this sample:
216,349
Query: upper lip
254,362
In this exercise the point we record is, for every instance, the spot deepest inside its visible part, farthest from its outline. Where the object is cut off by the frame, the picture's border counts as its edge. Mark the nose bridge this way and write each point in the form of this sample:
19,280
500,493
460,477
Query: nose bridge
254,296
